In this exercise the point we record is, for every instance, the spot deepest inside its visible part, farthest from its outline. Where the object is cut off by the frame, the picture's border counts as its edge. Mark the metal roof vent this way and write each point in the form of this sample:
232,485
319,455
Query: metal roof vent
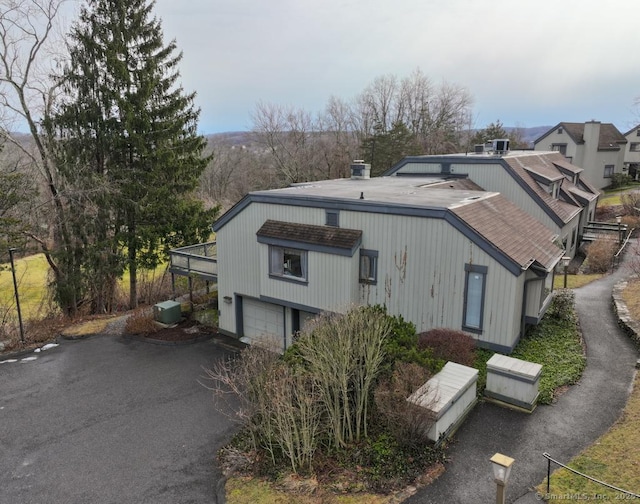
360,170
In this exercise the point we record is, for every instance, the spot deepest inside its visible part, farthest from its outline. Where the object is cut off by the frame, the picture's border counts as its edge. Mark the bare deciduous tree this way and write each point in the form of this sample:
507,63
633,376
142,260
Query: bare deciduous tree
287,134
28,38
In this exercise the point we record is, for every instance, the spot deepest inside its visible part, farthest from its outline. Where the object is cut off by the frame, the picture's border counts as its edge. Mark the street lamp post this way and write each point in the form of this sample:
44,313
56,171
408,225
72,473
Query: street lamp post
619,221
501,470
15,288
565,264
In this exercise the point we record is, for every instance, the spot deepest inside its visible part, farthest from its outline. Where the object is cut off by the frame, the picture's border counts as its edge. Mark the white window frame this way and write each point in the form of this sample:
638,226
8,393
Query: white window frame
609,170
282,263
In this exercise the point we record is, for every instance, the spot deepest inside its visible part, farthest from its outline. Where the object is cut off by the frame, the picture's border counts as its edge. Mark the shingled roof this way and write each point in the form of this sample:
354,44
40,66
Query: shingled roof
609,139
543,163
335,237
514,232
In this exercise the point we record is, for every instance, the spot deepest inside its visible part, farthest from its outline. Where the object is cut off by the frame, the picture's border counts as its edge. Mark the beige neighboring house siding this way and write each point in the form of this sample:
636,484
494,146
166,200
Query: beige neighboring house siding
632,152
591,146
559,140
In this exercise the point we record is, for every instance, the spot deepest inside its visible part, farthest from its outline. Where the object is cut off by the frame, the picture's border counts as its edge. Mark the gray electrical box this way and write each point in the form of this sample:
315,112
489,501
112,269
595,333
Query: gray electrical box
167,312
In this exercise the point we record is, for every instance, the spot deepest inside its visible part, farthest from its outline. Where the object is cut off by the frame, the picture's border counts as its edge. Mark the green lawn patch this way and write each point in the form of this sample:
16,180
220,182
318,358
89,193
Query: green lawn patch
33,278
32,274
575,281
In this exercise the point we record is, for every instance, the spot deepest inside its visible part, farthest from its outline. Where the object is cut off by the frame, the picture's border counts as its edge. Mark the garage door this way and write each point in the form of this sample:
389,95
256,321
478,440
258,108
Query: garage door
262,320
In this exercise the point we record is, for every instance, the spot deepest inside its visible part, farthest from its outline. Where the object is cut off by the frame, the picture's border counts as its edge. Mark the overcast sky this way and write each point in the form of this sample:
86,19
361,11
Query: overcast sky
527,63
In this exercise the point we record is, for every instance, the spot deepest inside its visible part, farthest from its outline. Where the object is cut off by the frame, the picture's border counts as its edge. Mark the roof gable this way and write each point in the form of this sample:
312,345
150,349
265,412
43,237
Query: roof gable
610,137
517,234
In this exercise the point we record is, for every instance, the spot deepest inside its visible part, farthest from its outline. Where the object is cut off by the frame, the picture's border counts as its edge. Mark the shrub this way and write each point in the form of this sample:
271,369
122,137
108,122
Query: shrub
141,322
620,180
562,305
449,345
402,346
600,255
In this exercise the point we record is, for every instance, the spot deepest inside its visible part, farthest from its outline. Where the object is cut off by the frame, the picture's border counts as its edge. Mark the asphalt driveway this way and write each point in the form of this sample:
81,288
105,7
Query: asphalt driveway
110,421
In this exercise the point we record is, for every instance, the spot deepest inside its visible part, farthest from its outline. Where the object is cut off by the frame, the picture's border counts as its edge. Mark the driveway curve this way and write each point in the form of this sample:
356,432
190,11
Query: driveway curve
563,429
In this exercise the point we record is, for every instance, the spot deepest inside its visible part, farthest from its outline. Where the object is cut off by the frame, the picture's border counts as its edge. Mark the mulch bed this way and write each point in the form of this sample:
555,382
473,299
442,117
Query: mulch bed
185,331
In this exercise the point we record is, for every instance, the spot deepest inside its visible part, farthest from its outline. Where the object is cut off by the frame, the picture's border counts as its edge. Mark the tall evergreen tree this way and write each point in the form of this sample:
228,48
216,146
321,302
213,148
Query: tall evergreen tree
126,142
384,149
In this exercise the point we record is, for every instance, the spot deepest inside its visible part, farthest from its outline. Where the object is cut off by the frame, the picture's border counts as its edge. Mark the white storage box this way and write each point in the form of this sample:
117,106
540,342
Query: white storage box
513,381
450,395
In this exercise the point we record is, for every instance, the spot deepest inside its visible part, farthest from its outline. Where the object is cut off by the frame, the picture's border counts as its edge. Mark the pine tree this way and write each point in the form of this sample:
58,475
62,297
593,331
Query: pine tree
126,141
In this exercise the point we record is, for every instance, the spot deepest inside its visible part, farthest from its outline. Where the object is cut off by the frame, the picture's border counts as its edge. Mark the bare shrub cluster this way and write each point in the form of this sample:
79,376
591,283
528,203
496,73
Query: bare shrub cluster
600,255
449,345
320,395
141,322
408,422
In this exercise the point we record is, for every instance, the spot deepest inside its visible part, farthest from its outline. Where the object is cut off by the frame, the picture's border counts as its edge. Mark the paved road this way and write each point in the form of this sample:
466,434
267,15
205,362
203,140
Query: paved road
109,421
563,429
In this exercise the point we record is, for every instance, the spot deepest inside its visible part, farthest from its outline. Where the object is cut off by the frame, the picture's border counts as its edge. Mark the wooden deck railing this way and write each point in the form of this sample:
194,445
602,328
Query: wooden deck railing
199,260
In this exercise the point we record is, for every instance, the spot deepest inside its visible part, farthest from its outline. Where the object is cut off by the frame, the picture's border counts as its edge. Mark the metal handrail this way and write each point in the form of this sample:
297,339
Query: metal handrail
549,460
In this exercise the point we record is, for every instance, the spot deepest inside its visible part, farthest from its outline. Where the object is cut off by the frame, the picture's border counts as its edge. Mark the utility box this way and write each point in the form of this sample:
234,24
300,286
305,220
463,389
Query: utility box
167,312
449,395
513,381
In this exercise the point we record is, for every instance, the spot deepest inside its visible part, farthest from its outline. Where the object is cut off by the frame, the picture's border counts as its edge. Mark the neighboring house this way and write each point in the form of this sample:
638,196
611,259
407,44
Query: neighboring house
632,152
598,148
440,253
543,184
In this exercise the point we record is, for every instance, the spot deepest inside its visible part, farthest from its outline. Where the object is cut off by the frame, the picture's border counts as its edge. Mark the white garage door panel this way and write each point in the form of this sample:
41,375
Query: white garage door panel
262,319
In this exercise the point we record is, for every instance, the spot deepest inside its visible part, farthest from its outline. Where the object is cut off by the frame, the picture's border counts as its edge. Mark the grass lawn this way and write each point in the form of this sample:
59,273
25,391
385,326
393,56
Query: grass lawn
610,200
251,490
631,297
614,458
574,281
32,274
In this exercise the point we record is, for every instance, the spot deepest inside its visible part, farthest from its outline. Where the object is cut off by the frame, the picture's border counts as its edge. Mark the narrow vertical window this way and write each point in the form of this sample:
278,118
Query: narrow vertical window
474,289
368,266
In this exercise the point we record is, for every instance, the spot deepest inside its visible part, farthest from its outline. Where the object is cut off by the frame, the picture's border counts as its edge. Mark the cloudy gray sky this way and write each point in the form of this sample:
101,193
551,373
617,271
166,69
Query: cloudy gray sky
527,63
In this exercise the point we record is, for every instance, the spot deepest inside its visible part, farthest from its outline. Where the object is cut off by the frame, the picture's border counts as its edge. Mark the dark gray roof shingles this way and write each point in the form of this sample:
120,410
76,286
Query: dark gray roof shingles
517,234
311,234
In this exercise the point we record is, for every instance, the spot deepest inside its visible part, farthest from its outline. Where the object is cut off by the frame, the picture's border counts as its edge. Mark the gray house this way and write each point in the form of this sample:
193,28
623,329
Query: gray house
543,184
598,148
441,253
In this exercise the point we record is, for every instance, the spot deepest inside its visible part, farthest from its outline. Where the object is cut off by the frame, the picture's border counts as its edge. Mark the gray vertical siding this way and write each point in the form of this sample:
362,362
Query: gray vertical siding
427,288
